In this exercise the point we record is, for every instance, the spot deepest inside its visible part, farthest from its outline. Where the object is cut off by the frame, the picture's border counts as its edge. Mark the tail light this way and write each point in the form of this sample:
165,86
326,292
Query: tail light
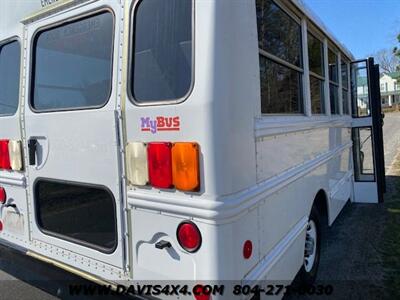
1,226
189,236
4,155
159,161
164,165
137,167
185,166
3,195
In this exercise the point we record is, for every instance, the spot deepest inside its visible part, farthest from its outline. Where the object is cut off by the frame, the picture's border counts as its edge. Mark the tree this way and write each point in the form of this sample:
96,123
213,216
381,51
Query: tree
387,60
396,52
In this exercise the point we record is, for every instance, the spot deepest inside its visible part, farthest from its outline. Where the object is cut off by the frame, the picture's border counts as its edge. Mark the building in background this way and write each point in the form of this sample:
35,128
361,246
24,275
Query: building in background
390,89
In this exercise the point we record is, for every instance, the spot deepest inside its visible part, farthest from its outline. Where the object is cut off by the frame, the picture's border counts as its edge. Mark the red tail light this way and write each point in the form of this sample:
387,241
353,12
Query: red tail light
1,226
3,195
4,155
189,236
160,165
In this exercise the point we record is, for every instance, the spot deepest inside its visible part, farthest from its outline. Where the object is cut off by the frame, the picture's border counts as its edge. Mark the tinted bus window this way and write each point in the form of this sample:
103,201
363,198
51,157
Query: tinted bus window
162,59
279,37
334,82
73,64
79,213
317,76
10,57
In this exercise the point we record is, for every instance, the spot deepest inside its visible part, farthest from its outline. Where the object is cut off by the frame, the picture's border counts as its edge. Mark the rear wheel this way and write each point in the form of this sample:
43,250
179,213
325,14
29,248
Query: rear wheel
312,249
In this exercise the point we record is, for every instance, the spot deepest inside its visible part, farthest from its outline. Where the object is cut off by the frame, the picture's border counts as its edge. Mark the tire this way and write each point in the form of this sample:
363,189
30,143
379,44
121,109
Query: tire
308,272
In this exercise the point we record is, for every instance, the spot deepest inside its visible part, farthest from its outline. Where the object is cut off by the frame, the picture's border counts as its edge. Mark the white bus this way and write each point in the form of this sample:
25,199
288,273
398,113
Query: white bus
180,140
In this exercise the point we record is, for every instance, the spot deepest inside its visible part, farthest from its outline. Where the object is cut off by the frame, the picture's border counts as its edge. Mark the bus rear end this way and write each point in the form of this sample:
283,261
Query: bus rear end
191,102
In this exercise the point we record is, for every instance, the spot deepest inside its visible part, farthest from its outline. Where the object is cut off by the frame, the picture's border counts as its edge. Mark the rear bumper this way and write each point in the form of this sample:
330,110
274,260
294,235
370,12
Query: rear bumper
51,279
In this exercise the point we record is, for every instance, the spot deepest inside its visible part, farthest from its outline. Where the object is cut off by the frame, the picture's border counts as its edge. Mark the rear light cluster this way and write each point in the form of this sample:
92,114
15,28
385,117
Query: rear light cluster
10,155
164,165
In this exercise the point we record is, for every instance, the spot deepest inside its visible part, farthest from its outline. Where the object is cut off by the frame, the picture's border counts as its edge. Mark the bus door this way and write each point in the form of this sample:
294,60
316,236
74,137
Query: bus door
71,133
368,152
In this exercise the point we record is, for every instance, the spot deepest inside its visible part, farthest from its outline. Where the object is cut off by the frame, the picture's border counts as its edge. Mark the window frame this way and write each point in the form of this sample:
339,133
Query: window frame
3,43
131,46
344,61
67,238
332,48
282,62
63,22
357,175
322,78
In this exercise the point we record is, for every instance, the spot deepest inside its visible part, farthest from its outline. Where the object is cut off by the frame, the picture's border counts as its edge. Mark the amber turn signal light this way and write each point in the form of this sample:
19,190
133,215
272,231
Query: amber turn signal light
185,166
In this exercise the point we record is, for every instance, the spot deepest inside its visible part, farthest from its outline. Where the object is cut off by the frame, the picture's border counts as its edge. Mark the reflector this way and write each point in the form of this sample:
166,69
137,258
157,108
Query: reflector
136,164
15,152
247,249
3,195
159,162
199,294
185,166
4,155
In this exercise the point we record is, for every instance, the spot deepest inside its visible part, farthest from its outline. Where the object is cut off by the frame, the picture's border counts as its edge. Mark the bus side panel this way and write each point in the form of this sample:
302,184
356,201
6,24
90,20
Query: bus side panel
279,153
15,221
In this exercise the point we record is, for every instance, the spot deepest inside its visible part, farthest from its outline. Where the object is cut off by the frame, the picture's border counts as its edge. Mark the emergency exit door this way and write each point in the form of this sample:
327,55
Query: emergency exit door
72,137
367,133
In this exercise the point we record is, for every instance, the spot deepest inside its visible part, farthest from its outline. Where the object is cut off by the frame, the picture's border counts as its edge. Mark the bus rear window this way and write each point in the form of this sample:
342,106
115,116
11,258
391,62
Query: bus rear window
72,64
10,56
162,45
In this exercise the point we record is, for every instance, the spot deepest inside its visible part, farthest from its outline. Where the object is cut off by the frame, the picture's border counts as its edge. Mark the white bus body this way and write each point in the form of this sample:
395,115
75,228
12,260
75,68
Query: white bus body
260,174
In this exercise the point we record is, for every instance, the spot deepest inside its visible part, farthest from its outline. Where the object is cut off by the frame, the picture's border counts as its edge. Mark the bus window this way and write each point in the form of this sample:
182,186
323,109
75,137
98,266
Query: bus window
73,64
84,214
317,77
162,46
333,82
10,56
345,87
281,64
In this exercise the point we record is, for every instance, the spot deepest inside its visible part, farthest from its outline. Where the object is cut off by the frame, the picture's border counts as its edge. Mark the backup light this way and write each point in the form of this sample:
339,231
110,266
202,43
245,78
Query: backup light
15,153
185,166
159,162
4,155
136,165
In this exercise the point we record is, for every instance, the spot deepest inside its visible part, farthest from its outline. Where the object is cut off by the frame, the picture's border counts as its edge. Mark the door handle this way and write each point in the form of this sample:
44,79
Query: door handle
163,244
32,147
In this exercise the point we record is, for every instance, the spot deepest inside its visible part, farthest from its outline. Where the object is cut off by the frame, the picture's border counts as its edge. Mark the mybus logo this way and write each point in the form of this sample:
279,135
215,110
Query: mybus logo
160,124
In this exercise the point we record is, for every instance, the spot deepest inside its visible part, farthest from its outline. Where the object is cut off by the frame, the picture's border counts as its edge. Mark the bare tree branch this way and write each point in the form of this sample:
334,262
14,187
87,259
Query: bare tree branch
387,60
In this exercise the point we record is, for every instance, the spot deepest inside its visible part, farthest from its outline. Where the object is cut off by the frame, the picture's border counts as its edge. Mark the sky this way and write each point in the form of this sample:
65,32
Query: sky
363,26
